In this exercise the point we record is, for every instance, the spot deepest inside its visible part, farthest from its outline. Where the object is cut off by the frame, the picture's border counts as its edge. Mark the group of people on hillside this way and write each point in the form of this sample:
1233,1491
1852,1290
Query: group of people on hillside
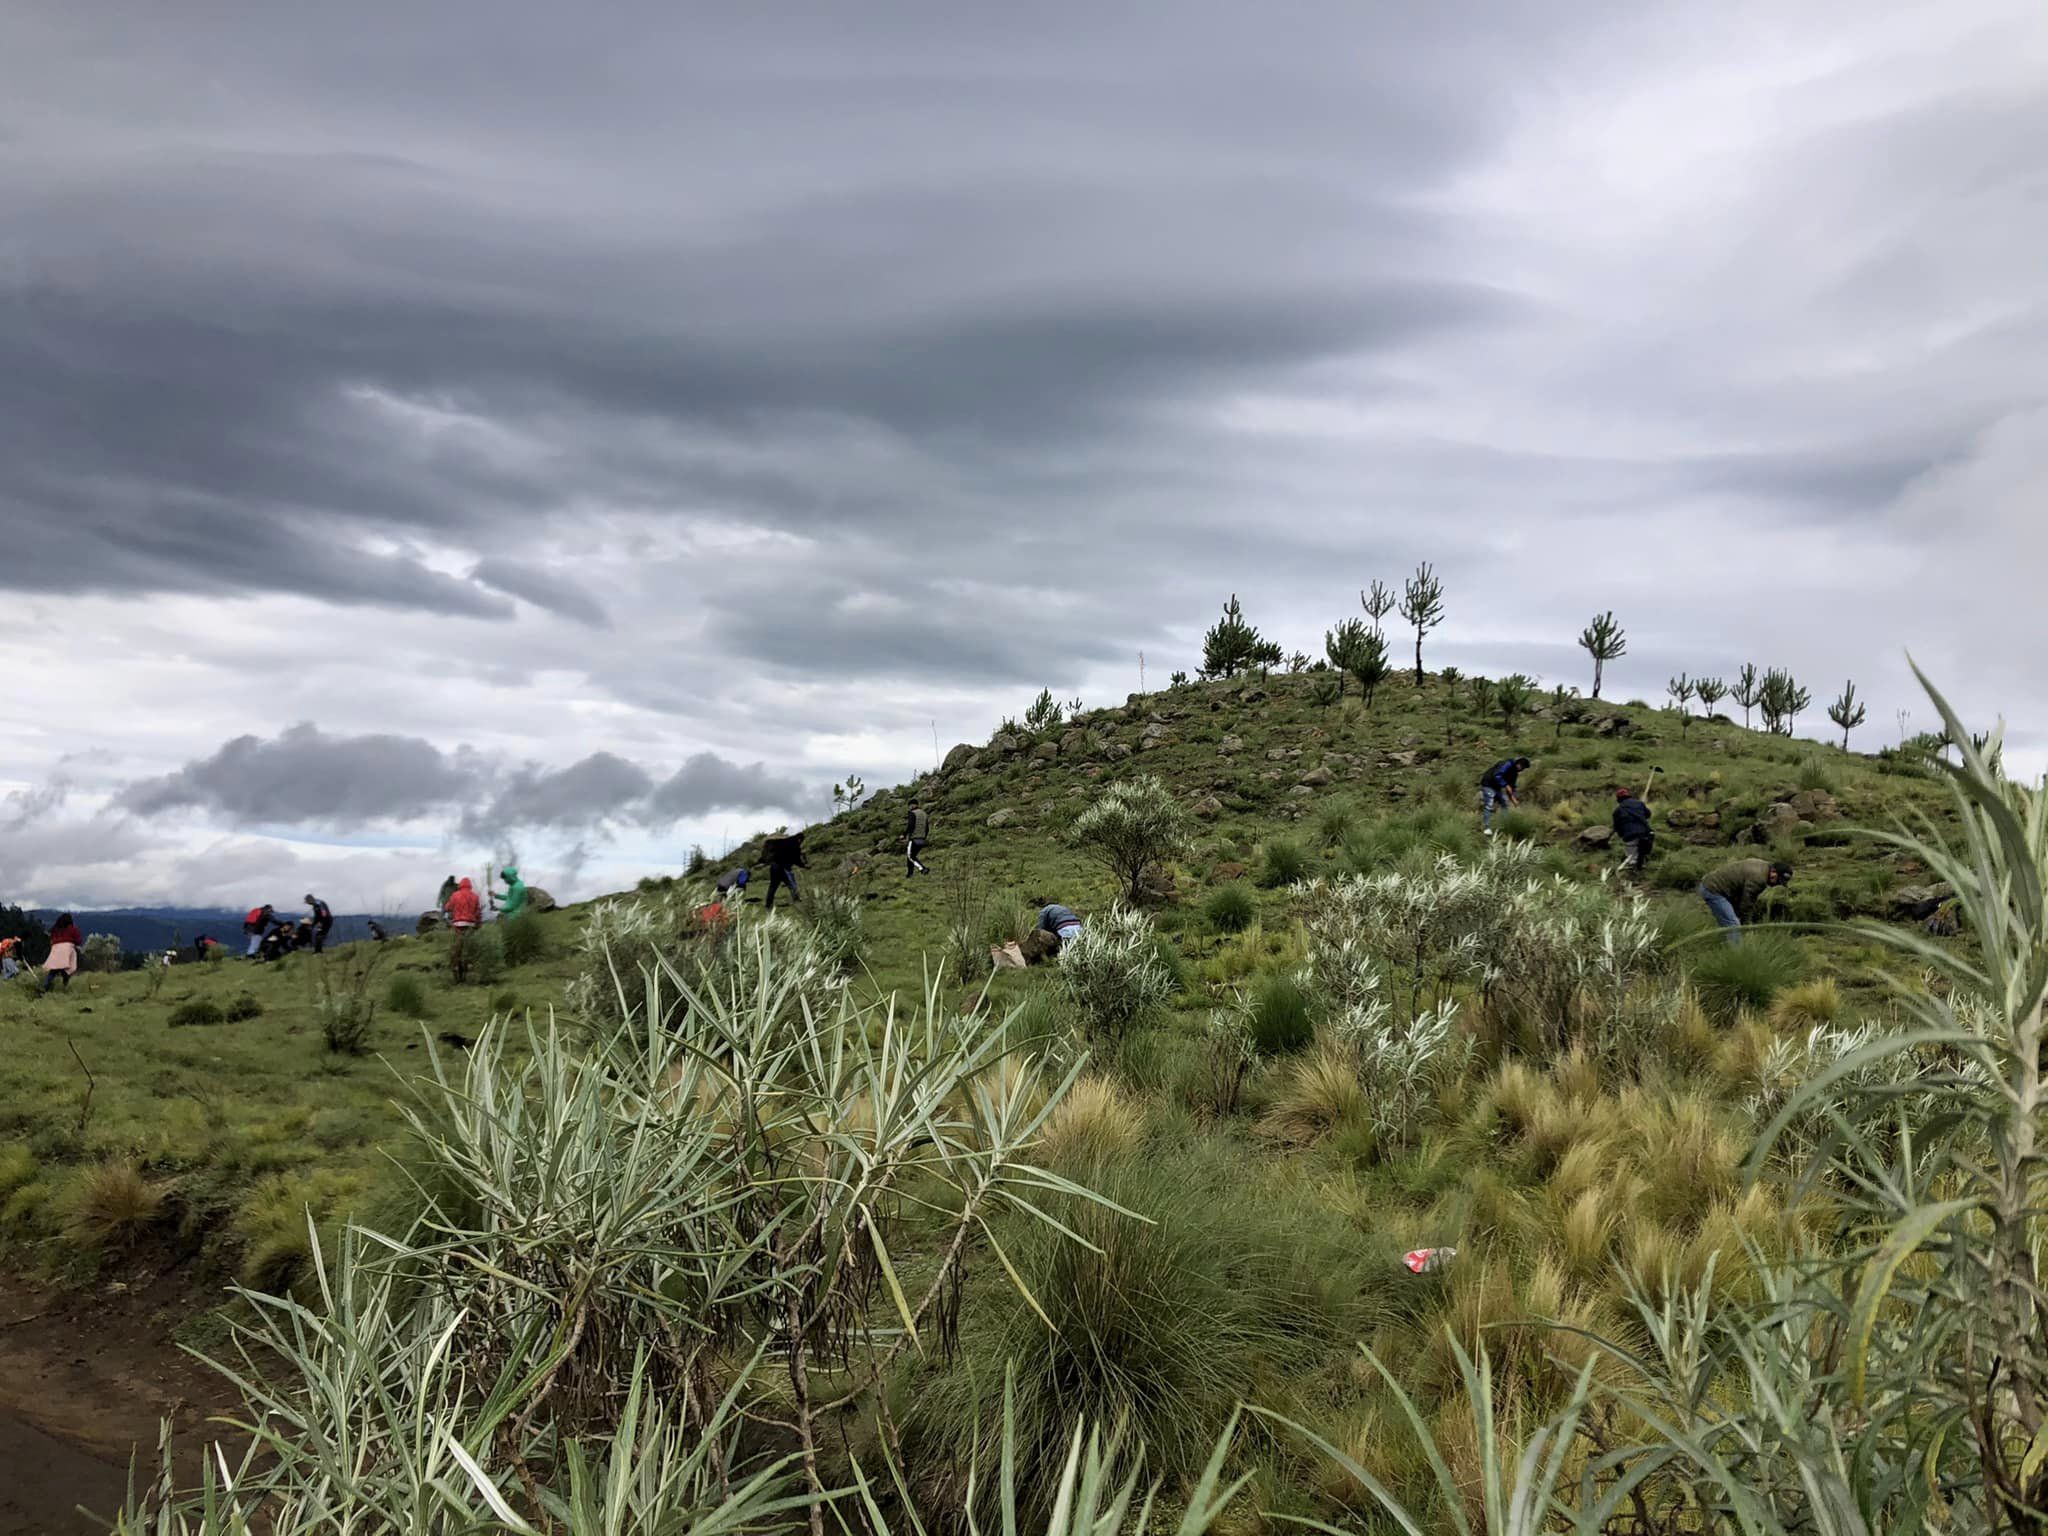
1731,893
271,935
509,902
67,945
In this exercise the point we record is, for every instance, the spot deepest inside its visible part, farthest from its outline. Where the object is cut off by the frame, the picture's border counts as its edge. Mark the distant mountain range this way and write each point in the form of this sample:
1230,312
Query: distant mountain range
156,928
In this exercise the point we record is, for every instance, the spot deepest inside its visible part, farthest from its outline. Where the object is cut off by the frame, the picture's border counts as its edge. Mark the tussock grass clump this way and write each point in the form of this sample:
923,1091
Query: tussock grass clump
198,1011
111,1206
1098,1123
1523,825
406,996
1280,1015
1809,1003
242,1006
1319,1093
1425,832
1230,908
1283,862
1334,821
1732,977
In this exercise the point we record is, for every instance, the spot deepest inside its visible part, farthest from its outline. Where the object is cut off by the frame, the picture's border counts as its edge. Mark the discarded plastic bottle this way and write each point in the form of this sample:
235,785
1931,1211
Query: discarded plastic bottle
1425,1261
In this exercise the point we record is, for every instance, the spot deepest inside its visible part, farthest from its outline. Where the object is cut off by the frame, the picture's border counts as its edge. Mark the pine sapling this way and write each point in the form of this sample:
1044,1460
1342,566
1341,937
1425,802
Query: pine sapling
1681,688
1603,640
1748,690
1710,691
1422,604
1847,712
1378,603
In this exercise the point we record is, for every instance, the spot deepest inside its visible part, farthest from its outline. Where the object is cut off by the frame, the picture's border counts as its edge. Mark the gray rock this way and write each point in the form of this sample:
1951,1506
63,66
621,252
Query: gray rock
1918,902
1006,744
1615,725
1276,754
1316,778
1208,807
1230,744
1116,751
1594,838
958,758
1003,818
1046,751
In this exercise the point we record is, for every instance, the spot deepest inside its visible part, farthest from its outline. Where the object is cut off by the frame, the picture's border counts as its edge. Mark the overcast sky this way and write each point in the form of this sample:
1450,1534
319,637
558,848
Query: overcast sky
426,428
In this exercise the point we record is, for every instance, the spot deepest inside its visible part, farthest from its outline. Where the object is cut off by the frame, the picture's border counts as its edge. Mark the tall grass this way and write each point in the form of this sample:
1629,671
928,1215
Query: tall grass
1732,977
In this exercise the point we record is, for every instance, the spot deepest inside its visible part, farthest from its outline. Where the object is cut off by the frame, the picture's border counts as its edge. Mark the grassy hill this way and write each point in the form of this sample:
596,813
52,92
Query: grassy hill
1560,1158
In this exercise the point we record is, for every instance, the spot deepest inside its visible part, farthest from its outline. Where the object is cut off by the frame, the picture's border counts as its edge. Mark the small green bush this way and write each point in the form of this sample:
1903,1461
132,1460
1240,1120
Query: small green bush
523,939
484,956
505,1002
1732,977
1280,1015
199,1010
406,997
1813,774
1285,862
242,1006
1230,908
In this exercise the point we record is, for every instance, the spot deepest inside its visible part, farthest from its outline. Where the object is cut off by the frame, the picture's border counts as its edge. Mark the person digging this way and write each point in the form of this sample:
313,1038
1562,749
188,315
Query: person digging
1632,827
1732,891
1497,788
785,855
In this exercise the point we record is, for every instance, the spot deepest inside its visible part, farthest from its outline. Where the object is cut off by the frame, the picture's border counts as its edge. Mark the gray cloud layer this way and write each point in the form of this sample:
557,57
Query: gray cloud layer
827,375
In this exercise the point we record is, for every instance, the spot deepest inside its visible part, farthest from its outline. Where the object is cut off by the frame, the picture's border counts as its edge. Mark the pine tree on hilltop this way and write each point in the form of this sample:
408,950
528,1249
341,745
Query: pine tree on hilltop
1681,688
1377,603
1710,691
1603,640
1233,646
1748,690
1422,604
1846,712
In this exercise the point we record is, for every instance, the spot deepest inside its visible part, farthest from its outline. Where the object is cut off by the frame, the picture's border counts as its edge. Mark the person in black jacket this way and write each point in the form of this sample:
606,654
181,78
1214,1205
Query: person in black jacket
323,920
917,830
785,855
1497,787
1632,826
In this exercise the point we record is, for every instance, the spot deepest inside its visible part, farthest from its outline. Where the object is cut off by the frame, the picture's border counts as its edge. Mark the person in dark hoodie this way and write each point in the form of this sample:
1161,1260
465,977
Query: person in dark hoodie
1497,787
254,925
917,831
1632,826
323,921
785,855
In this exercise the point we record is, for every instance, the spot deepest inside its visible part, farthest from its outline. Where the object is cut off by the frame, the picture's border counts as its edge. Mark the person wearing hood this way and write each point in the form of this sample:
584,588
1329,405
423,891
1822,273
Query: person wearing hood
447,890
465,912
512,900
65,943
1632,826
9,966
254,925
323,921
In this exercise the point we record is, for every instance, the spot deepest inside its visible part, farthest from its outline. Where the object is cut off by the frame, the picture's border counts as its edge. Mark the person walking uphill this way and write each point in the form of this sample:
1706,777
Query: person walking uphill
917,831
1732,891
65,943
1497,787
1632,826
323,921
785,855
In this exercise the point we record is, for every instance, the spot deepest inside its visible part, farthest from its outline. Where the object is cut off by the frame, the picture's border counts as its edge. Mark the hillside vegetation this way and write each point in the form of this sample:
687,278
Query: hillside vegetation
1176,1171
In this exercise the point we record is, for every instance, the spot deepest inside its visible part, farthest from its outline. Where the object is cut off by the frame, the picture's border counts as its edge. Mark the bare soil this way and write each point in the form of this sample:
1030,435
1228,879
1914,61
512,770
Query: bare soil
85,1378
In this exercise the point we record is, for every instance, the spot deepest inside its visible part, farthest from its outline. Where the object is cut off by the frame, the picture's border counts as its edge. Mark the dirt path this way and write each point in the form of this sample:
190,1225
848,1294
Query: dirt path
84,1379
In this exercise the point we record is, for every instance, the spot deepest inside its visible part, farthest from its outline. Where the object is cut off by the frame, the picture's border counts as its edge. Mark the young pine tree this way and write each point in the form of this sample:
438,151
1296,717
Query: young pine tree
1044,714
1377,603
1681,688
1513,697
1234,646
1341,644
1603,640
1710,691
1480,691
1781,700
1748,690
1422,604
1846,712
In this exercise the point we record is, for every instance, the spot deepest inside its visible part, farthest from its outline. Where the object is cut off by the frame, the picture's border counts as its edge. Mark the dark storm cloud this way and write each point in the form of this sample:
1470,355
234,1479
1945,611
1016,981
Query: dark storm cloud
707,782
306,775
585,794
542,588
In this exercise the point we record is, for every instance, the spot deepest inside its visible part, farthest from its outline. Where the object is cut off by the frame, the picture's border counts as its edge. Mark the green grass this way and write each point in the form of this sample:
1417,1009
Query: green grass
1284,1210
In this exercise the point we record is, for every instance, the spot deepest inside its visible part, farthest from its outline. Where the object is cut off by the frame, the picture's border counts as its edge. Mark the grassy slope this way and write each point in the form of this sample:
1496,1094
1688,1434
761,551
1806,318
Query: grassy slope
236,1126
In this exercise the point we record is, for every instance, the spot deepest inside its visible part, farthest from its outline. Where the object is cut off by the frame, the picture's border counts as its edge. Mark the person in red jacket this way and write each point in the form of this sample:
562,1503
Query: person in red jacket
465,912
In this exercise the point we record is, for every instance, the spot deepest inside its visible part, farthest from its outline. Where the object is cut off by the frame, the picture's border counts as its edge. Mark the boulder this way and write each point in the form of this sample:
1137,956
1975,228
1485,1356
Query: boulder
1116,751
1403,759
1158,730
1814,805
1614,725
428,922
1230,744
958,758
1779,821
1046,751
1316,778
1255,696
1002,818
1006,744
1916,903
1208,807
1078,741
1301,789
1276,754
1592,839
538,900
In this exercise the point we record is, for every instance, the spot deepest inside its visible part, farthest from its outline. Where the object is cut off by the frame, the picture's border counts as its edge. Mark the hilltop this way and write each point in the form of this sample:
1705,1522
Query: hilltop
1554,1154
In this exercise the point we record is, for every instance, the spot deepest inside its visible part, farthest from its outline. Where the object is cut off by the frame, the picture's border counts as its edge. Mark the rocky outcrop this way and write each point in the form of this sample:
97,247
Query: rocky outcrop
958,758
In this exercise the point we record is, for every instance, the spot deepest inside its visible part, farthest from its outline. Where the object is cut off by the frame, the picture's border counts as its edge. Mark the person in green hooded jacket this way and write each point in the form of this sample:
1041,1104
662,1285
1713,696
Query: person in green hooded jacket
512,900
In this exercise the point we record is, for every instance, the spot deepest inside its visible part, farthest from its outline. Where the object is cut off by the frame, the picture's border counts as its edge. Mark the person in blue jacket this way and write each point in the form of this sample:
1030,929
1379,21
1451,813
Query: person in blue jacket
1497,787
